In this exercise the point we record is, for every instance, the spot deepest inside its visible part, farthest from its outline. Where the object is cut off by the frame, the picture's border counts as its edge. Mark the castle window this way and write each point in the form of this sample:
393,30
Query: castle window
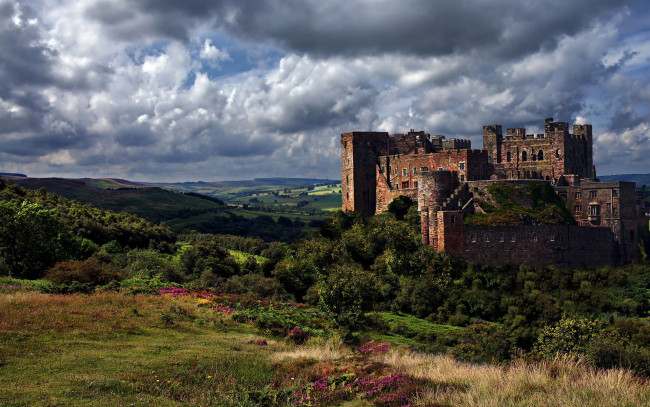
552,238
614,192
594,210
540,155
508,157
396,186
462,178
578,195
557,153
404,172
513,238
415,184
347,195
473,238
424,168
389,169
415,170
593,194
347,179
453,218
534,237
405,184
345,144
613,211
501,238
461,166
487,237
395,171
524,156
577,208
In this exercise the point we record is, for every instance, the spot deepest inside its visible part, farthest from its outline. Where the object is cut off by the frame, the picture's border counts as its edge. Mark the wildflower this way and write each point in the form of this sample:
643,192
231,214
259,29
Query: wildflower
209,377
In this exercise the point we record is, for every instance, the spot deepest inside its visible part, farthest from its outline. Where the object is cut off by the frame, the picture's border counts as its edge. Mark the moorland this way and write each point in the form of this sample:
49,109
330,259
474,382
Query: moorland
100,306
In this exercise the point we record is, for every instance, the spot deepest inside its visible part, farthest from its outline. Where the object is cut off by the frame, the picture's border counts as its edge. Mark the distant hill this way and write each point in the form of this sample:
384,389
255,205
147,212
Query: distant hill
640,179
152,203
216,188
12,175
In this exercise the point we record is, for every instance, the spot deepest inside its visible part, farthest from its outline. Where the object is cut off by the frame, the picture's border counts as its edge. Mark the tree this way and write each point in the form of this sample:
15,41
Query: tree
347,294
32,239
569,335
400,206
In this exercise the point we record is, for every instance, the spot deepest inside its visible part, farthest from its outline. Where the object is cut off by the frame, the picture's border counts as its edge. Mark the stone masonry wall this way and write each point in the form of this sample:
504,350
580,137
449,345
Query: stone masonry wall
563,245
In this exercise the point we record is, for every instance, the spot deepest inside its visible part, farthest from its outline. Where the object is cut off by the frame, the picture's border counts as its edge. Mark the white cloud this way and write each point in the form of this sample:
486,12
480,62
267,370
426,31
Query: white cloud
212,53
139,90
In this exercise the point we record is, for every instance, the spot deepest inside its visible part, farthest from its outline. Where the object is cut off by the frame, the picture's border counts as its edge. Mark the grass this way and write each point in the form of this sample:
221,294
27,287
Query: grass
113,348
508,205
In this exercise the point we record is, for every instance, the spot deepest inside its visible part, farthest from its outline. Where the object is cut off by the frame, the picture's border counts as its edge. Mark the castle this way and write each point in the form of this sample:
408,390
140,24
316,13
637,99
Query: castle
442,176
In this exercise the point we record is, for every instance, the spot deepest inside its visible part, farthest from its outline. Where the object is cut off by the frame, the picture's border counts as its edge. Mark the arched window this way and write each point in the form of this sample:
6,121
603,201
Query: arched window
508,158
540,155
524,156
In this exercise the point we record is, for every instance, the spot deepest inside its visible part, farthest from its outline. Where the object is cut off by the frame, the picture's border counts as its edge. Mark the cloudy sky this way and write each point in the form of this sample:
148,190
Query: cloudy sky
169,90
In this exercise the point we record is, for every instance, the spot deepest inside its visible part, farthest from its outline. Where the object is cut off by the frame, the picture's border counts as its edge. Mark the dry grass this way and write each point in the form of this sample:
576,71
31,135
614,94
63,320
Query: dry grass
316,349
561,382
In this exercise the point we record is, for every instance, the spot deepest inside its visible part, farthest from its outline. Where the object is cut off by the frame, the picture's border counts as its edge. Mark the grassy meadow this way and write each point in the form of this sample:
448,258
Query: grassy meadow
196,348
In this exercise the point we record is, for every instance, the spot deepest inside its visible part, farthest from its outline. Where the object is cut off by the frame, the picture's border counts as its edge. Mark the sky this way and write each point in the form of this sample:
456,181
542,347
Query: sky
174,91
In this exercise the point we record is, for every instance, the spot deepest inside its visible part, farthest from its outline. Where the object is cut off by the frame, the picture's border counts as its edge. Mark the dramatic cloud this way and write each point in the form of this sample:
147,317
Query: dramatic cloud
167,90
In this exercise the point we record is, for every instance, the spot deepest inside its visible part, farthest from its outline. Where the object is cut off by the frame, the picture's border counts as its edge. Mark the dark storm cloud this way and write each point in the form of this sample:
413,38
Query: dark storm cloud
55,136
503,28
24,59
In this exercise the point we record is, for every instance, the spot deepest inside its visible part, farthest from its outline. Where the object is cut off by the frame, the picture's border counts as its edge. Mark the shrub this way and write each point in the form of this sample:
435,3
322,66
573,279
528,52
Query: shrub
255,284
90,272
569,335
484,343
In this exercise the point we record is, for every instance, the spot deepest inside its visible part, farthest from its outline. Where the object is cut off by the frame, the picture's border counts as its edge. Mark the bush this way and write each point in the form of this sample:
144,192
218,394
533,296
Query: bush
256,285
569,335
89,272
484,343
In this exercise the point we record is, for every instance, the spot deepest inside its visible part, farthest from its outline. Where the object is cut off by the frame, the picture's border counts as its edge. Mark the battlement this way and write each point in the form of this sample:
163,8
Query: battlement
443,175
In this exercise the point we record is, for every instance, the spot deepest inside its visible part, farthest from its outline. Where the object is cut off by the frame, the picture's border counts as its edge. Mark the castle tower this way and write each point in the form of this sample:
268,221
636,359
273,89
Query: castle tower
584,131
492,137
359,153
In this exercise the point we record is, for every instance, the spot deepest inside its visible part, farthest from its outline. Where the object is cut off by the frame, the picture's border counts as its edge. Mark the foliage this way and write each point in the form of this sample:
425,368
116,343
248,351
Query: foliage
569,335
347,294
400,206
85,221
32,239
484,343
255,285
150,264
87,273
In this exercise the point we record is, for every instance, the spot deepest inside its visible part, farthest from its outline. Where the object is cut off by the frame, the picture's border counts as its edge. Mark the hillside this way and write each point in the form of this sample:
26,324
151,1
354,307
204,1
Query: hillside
275,209
640,179
152,203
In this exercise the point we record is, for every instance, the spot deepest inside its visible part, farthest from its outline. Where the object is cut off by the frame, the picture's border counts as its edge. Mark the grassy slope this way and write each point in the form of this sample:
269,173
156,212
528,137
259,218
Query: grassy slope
123,349
505,204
